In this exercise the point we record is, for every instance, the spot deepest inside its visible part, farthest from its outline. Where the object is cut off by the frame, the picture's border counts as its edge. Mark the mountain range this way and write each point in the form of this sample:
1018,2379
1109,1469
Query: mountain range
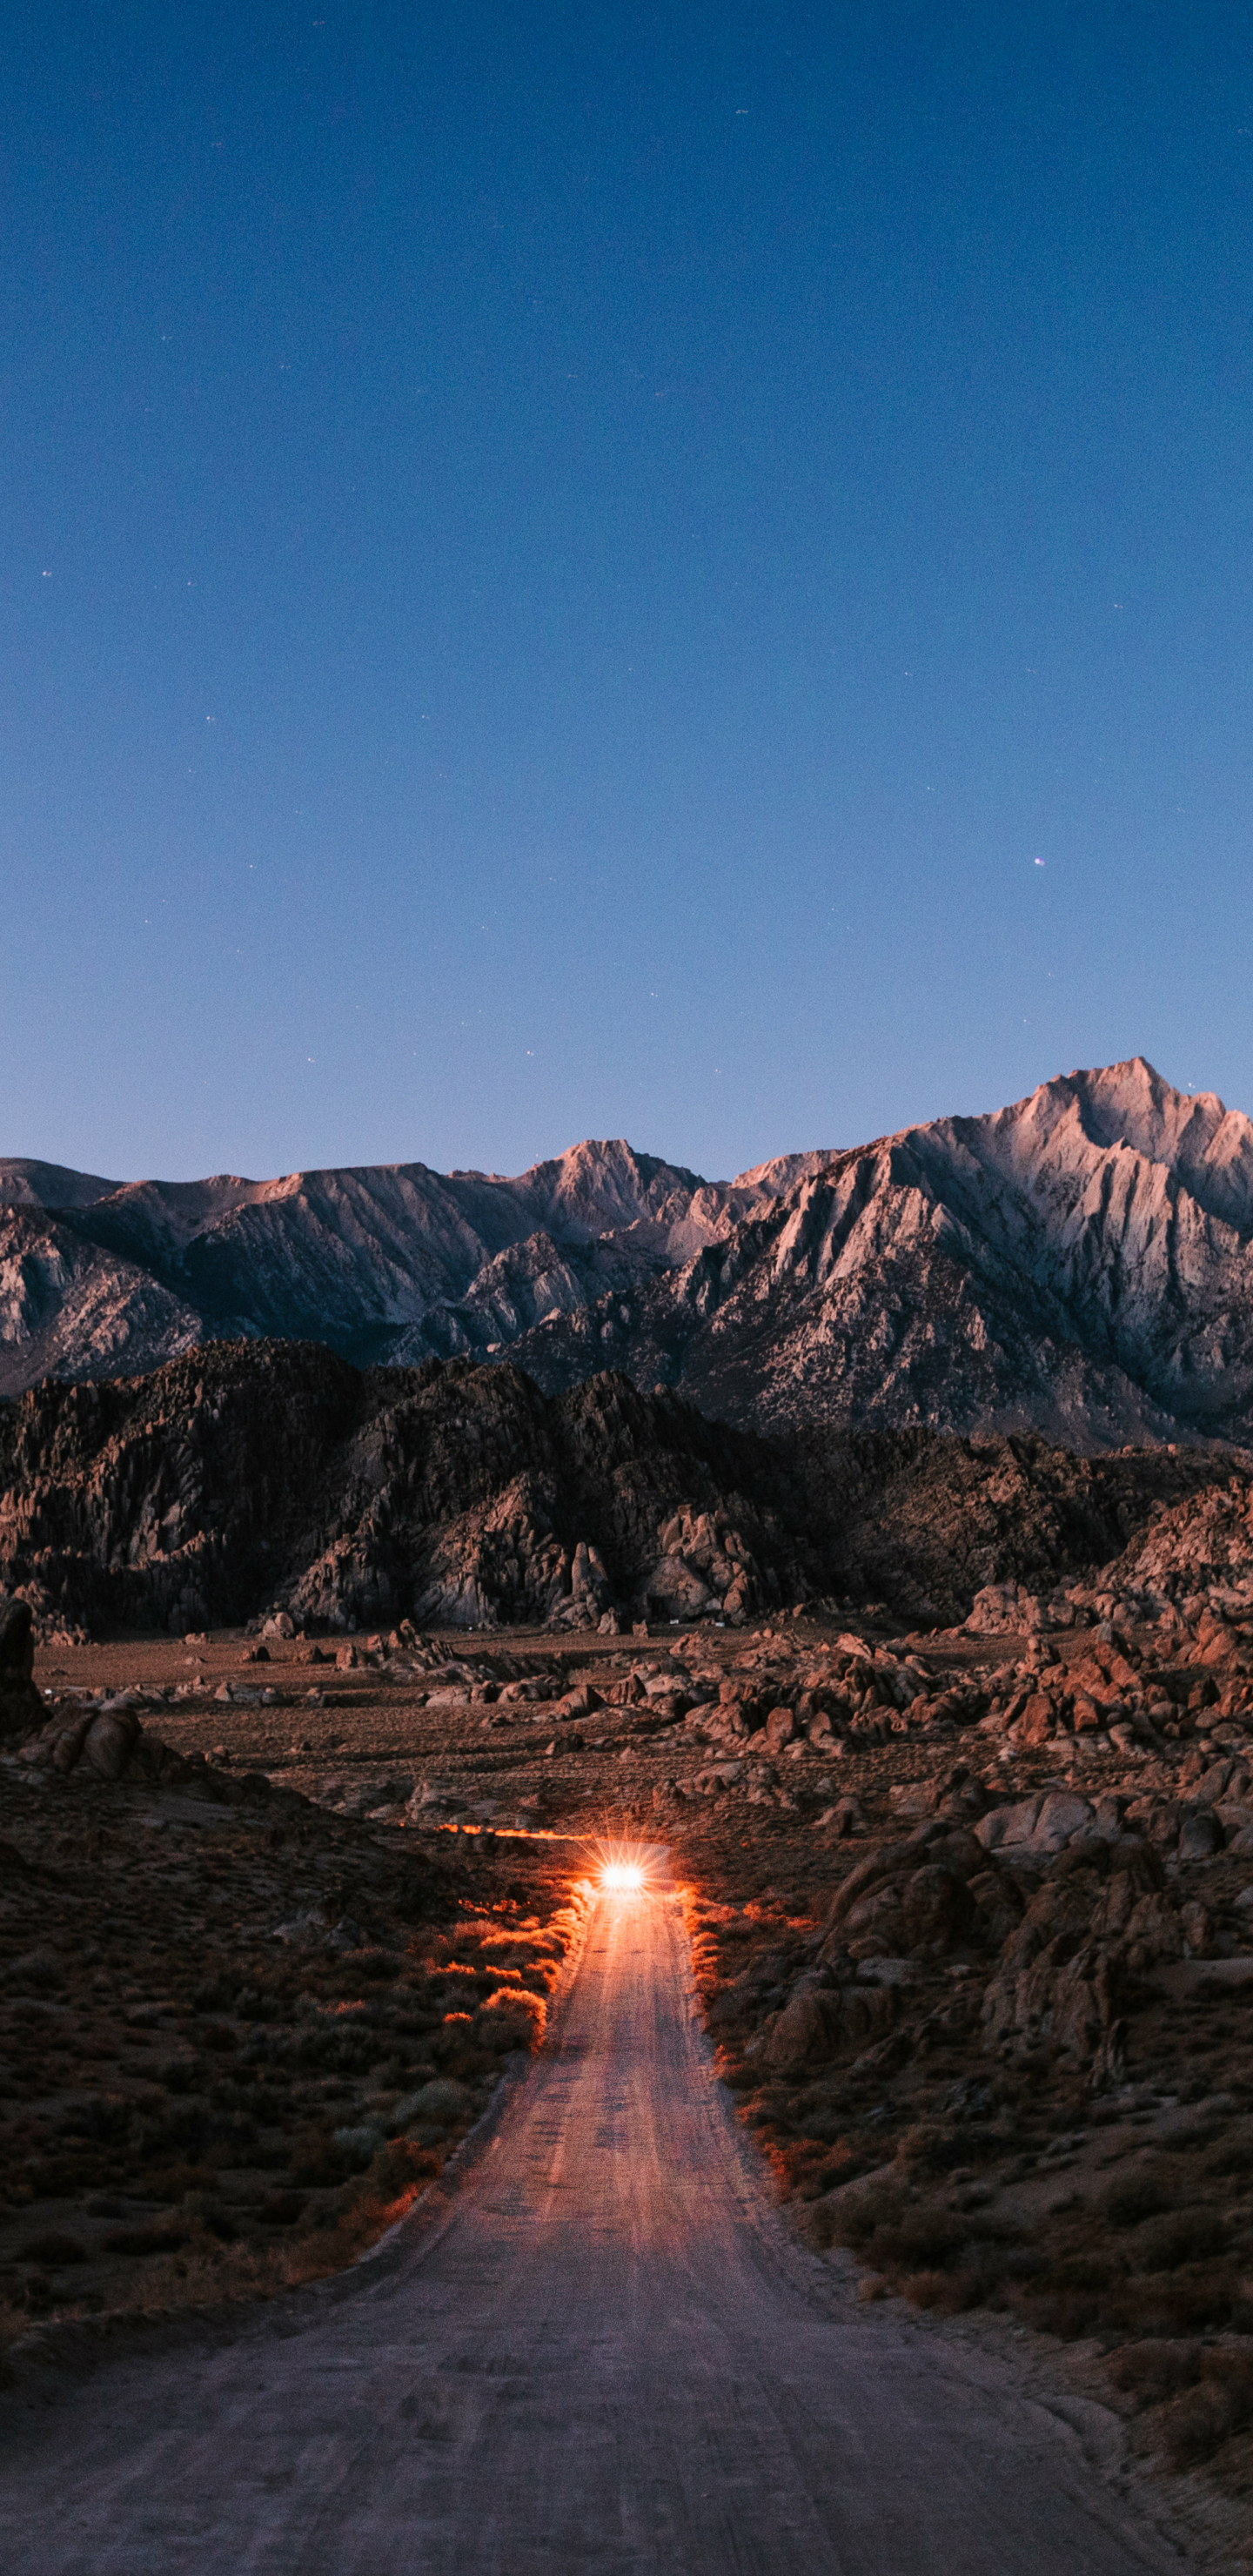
1078,1263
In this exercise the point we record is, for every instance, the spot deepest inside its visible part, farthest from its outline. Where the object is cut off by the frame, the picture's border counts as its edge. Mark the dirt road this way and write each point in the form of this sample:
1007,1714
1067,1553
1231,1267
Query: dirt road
607,2358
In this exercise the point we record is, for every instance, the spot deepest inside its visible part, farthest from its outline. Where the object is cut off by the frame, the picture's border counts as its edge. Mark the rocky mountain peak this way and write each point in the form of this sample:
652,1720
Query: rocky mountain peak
44,1185
1077,1262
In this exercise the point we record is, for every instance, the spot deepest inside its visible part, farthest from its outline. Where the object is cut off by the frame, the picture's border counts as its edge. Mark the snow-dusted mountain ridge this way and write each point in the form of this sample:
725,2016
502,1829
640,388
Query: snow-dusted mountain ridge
1079,1261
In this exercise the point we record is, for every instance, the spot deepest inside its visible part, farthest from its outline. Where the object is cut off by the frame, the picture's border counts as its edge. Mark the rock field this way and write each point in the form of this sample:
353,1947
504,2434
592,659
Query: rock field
972,1912
325,1688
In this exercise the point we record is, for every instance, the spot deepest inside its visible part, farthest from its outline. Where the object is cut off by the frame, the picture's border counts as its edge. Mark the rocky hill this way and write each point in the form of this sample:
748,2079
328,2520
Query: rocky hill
1077,1264
252,1479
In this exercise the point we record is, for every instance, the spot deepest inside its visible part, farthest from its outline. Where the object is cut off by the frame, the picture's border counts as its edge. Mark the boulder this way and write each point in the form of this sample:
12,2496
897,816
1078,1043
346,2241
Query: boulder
20,1704
589,1576
1035,1829
1200,1833
817,2020
910,1799
674,1591
1038,1720
110,1741
935,1911
1002,1608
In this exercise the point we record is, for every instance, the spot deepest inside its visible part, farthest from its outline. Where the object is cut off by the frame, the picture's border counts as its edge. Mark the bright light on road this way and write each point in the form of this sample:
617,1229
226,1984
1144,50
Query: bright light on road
622,1876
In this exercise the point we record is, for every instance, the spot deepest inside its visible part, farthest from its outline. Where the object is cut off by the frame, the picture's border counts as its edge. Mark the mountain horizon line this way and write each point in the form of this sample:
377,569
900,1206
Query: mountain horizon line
12,1166
1079,1262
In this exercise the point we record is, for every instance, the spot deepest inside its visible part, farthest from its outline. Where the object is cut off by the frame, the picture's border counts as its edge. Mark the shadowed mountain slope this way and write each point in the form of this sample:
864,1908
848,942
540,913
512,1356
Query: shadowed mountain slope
248,1477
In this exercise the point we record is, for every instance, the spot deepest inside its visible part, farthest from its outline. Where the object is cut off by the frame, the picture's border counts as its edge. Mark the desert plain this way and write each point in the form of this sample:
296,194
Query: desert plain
939,1963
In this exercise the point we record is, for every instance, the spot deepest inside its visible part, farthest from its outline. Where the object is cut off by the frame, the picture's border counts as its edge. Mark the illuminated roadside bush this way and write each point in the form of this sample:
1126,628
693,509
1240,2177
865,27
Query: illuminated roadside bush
511,2018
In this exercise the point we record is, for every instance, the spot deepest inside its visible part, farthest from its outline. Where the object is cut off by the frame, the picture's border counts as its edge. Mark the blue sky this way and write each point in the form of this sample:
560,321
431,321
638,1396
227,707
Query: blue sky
562,570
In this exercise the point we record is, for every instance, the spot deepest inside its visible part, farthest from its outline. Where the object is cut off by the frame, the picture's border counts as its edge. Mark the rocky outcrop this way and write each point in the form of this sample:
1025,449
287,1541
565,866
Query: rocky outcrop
252,1479
1077,1264
104,1739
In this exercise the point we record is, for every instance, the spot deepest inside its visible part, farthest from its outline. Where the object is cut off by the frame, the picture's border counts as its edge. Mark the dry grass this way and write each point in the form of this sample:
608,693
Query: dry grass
228,2059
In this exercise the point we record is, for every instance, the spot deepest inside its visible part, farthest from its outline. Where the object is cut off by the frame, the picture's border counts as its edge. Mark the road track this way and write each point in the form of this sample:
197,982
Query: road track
605,2355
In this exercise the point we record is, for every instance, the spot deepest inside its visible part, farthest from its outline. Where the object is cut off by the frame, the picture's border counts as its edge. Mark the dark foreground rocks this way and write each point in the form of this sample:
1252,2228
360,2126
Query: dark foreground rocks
20,1703
991,2019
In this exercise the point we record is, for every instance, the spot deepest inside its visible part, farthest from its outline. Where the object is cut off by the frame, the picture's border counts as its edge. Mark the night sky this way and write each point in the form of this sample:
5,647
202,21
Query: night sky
680,573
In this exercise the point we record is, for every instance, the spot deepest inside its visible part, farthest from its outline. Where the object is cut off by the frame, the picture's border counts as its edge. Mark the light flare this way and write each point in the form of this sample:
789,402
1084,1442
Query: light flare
623,1868
622,1877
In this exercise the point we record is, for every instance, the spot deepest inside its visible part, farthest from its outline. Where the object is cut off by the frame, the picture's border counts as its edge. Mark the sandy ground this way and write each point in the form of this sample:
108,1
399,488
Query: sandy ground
604,2352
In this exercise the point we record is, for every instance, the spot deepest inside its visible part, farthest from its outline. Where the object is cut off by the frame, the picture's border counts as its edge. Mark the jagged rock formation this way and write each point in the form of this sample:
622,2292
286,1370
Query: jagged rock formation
252,1479
395,1263
925,1521
260,1476
1078,1264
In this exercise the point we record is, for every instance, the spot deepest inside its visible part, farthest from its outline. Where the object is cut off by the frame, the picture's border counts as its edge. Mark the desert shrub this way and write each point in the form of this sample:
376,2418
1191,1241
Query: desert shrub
512,2017
61,2177
947,2292
1181,2236
168,2182
220,2223
731,2014
895,2233
836,2162
104,2120
1144,2193
1155,2369
359,2144
859,2214
262,2004
144,2240
283,2208
938,2148
228,2094
922,2239
822,2225
186,2125
217,1996
1195,2424
1081,2272
1185,2302
455,2046
52,2247
439,2104
1233,2156
337,2047
176,2075
402,2165
369,1967
1069,2314
316,2161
